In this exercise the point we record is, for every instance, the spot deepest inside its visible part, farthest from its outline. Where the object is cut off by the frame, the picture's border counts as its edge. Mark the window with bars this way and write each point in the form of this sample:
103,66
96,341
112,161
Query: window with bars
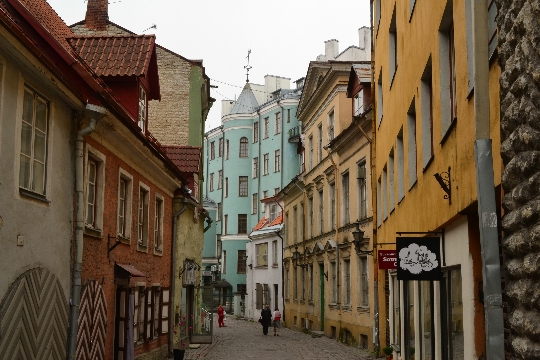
243,186
244,147
242,223
34,133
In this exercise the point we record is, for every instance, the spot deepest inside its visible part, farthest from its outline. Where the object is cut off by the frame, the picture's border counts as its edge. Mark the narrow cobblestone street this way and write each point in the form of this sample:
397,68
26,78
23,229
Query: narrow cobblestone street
242,339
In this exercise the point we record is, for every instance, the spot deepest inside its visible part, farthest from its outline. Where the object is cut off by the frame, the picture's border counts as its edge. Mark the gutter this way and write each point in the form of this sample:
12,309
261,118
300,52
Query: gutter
172,320
96,113
487,208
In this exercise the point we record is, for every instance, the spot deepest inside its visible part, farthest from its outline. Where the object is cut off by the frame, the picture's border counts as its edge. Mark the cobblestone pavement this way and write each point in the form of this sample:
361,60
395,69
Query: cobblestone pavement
241,339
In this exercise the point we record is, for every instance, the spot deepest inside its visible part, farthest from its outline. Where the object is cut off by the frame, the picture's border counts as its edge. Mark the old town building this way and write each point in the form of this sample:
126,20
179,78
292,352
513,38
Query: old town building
437,177
327,281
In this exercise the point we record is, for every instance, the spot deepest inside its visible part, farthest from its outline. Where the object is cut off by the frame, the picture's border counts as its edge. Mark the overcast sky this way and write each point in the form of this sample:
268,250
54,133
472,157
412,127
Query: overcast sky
283,35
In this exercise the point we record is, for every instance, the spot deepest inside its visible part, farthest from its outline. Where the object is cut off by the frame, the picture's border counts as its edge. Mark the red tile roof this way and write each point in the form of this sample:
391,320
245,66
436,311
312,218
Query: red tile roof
120,55
186,158
261,224
49,19
277,221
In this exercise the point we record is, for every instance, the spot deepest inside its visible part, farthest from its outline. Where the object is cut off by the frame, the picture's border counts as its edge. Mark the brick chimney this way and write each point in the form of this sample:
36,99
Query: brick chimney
97,14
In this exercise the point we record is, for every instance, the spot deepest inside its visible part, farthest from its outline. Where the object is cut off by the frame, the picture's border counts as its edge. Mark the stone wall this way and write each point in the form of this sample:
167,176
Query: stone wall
519,41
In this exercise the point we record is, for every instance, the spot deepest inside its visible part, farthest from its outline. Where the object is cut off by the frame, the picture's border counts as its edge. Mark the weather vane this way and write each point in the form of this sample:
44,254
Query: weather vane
247,67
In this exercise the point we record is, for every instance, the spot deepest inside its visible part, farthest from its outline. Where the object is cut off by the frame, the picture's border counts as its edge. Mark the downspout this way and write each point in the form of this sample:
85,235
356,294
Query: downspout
282,275
282,146
176,215
376,330
487,209
95,112
259,138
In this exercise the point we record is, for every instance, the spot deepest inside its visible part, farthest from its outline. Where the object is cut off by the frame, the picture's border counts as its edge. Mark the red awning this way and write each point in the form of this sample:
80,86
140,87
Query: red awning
128,271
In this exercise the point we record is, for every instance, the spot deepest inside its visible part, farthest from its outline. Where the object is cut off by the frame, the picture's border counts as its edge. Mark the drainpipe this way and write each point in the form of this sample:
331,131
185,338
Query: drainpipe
172,321
487,210
95,112
282,275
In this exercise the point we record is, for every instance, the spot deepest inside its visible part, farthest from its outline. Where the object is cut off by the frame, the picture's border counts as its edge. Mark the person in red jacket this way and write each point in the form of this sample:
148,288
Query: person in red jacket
221,315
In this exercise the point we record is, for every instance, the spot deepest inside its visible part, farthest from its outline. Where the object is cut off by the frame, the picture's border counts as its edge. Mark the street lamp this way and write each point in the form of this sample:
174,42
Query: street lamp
296,258
359,241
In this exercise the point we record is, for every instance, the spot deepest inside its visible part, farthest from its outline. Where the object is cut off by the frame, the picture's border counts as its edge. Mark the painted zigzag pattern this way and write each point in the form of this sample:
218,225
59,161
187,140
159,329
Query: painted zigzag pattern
34,318
92,322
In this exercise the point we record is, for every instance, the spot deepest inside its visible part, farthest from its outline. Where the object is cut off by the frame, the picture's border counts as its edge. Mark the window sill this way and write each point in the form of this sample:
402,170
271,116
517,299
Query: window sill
158,251
362,309
33,196
333,306
261,267
346,308
90,231
123,239
275,266
142,247
448,131
302,302
310,302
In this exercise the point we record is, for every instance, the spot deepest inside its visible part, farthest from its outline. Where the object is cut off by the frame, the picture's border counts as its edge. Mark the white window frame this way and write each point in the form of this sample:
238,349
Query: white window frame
96,155
159,204
277,160
256,132
359,102
36,97
347,295
128,178
143,215
266,126
278,123
254,203
265,163
261,253
255,168
211,181
275,253
143,109
220,179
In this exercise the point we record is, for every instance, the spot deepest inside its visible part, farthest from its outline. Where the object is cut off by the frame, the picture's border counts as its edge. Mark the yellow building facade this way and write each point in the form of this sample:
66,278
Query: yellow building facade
425,171
328,287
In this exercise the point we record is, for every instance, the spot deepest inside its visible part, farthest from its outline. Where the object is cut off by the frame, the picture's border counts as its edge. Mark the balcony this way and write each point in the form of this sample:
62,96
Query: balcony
294,134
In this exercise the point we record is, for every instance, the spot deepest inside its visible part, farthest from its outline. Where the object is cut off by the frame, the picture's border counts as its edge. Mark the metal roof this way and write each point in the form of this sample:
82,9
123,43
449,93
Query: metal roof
246,103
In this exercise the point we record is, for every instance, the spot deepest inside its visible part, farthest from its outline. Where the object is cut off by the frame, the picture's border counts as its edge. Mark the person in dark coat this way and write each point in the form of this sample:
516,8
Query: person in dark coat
266,318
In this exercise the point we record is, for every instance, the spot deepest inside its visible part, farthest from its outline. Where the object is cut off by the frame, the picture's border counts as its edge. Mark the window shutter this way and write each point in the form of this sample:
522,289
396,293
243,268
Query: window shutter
148,315
165,300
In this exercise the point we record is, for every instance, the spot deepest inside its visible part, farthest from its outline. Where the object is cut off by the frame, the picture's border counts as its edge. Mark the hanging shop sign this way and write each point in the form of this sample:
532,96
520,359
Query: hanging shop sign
419,258
188,272
387,259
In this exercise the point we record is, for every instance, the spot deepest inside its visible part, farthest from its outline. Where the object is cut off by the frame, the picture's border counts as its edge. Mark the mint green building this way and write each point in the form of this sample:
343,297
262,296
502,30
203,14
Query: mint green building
250,157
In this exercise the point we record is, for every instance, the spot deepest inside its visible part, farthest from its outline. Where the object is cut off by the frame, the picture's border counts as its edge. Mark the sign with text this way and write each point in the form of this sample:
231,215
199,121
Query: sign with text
387,259
419,258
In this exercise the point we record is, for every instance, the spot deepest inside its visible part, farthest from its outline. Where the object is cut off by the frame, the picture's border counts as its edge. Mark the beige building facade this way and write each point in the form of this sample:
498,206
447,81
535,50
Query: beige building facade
327,283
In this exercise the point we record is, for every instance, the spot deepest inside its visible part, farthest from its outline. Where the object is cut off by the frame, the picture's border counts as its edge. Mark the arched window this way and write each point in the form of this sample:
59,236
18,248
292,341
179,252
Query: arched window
243,147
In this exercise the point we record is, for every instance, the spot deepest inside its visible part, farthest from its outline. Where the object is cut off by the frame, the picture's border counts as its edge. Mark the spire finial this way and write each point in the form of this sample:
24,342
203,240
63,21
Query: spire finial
247,67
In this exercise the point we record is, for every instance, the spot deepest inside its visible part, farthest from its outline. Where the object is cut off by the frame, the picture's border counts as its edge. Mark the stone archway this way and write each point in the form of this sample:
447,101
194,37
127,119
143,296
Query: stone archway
92,322
34,318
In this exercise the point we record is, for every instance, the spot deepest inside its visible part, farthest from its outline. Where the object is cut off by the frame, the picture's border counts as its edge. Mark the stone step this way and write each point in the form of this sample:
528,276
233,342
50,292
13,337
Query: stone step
316,334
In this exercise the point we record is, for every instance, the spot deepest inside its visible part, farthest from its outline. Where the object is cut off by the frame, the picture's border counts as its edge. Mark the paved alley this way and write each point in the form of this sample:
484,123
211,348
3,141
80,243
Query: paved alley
242,339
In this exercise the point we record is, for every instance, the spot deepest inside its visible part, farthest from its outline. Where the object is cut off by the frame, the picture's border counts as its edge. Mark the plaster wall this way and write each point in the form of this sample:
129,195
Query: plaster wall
270,275
44,225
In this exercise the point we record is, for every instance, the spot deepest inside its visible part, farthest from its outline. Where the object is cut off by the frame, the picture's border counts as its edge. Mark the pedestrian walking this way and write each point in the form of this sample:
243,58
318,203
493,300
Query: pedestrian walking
277,322
220,315
266,318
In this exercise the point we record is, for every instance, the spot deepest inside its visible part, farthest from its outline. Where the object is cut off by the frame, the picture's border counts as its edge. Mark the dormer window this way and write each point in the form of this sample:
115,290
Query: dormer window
359,103
142,109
